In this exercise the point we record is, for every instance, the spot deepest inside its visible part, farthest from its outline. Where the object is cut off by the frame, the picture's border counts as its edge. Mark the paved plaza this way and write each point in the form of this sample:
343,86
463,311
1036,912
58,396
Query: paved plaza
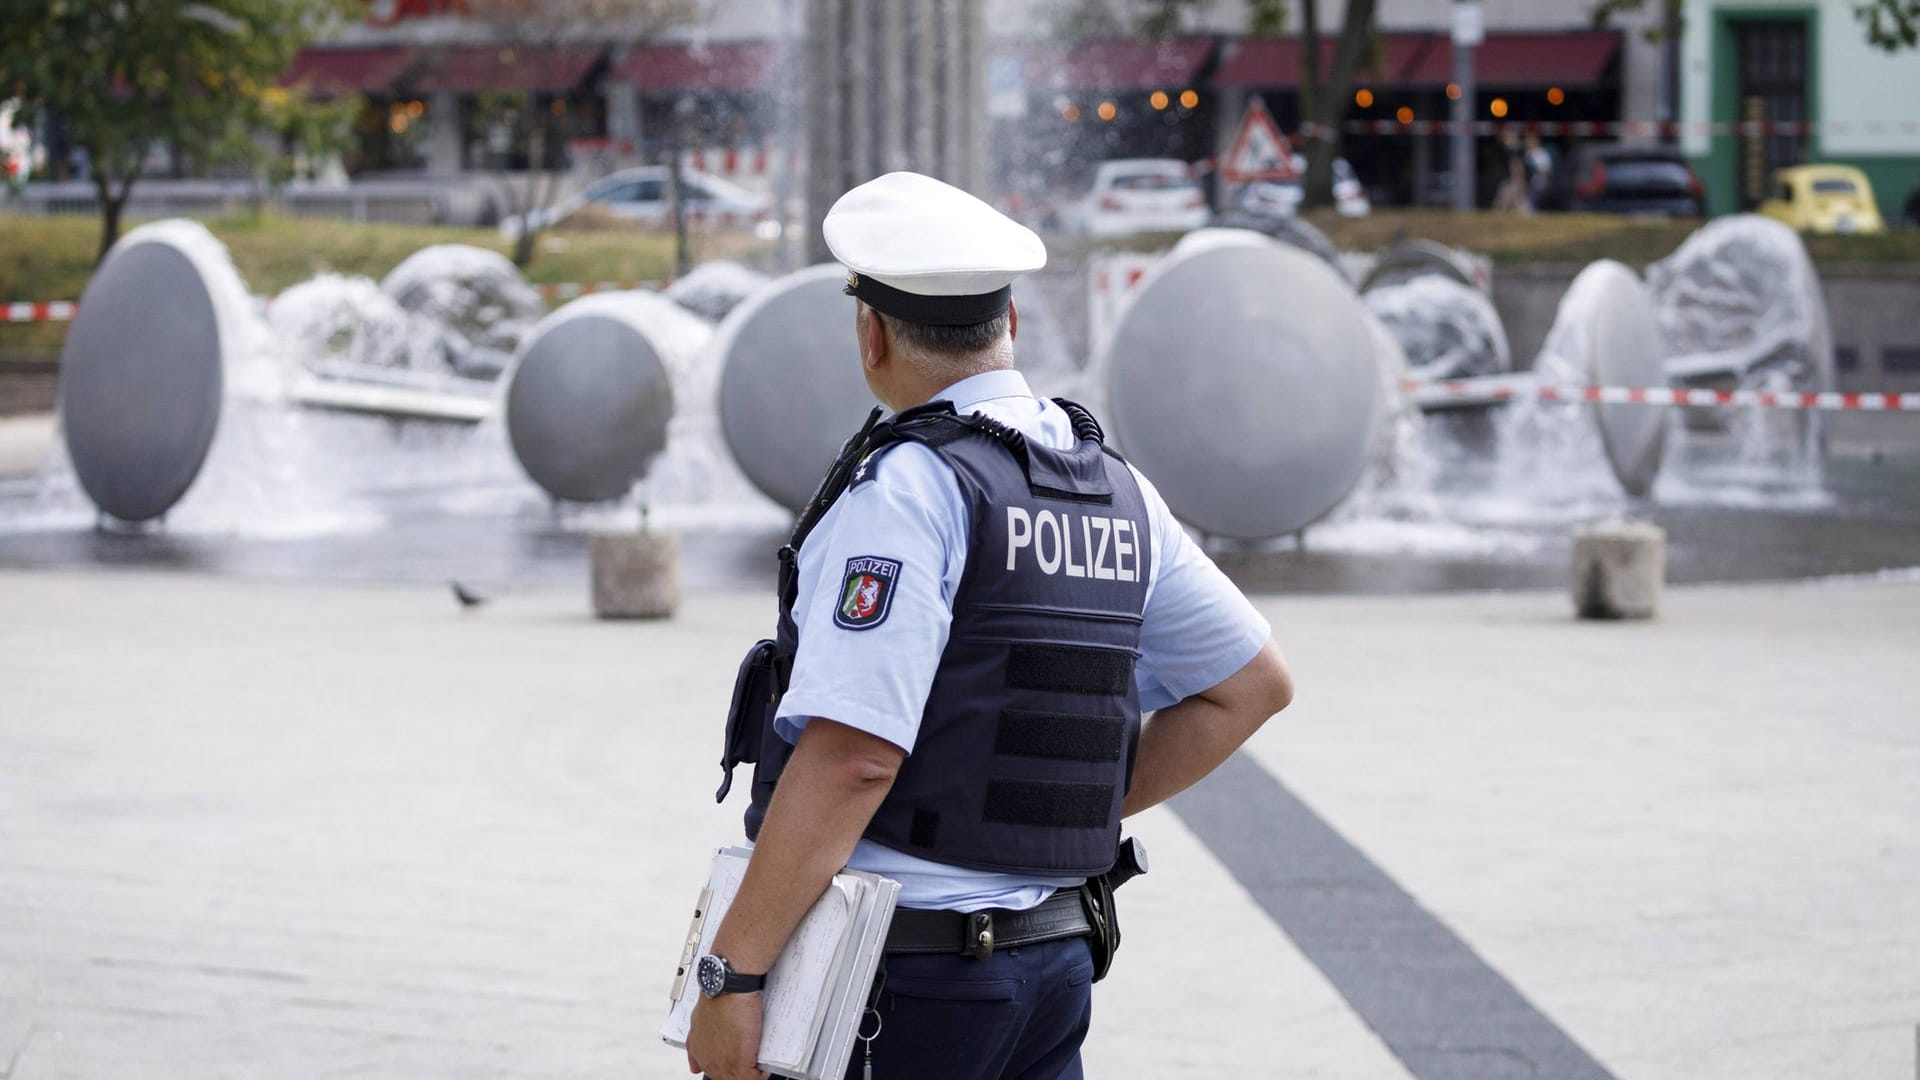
257,829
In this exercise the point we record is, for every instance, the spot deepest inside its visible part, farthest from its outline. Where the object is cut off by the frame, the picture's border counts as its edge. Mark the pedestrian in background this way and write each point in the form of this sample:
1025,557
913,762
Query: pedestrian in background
1539,164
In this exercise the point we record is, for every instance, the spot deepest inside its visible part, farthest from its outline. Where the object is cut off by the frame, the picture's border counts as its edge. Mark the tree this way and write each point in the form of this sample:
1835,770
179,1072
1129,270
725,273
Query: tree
1891,24
125,74
1268,18
555,24
1080,20
1164,18
304,131
1323,100
1604,11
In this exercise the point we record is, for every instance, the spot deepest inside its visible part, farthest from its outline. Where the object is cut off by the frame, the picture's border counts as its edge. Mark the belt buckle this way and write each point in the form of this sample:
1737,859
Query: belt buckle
979,940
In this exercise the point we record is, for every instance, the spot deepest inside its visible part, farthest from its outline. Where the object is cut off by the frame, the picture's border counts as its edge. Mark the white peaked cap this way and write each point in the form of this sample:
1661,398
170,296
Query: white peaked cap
936,254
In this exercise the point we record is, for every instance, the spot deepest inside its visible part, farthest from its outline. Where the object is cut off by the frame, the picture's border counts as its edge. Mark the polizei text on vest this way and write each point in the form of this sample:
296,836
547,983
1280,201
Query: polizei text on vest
1077,545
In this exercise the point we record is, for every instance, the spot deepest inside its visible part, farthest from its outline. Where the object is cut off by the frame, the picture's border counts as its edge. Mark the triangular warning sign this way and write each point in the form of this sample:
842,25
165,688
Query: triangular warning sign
1259,151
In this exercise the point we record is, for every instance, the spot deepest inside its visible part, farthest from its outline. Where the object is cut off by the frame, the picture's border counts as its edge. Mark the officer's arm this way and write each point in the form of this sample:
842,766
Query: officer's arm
1186,741
830,789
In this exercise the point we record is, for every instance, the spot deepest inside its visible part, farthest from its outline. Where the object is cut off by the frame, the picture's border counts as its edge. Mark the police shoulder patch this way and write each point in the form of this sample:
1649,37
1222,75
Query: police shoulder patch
866,593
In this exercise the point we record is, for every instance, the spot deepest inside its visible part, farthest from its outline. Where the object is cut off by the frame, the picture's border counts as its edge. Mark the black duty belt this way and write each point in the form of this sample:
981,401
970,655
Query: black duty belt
978,933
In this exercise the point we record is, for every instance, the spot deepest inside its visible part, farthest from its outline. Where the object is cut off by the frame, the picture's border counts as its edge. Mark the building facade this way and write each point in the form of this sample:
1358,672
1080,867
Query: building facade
1818,90
451,94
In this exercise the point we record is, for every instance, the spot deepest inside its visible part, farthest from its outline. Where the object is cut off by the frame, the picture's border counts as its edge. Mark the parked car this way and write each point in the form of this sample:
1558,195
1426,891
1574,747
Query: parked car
641,195
1824,199
1136,195
1613,179
1282,197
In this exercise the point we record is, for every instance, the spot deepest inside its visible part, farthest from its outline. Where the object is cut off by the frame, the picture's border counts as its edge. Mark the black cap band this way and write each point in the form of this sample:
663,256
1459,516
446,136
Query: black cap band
930,310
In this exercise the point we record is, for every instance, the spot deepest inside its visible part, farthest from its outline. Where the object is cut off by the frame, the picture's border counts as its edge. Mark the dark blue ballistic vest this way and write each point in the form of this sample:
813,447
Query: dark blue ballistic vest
1026,745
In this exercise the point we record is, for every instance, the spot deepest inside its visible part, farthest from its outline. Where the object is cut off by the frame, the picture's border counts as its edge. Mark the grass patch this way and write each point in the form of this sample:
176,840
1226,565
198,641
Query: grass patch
51,258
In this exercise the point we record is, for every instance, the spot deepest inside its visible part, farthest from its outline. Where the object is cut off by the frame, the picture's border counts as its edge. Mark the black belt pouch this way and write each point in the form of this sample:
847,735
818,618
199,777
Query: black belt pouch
754,690
1097,897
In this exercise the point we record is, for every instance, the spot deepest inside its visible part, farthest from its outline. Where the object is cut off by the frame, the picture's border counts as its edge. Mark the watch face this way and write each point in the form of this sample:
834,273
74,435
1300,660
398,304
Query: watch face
712,973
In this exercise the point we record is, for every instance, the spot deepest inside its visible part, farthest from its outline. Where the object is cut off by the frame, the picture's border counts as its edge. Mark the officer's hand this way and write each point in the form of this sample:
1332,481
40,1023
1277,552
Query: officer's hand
725,1039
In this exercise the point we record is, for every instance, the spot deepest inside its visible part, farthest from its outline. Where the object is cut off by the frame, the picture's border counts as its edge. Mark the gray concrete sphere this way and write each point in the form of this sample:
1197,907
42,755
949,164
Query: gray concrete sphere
1605,334
1244,384
590,396
791,391
143,369
1296,231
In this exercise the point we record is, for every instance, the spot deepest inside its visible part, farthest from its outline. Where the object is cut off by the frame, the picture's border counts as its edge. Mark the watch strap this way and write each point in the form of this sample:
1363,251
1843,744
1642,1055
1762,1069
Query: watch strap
737,983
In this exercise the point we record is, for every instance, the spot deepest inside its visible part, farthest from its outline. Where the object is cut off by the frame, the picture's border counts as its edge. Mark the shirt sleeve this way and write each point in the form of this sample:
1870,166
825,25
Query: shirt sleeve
870,643
1198,628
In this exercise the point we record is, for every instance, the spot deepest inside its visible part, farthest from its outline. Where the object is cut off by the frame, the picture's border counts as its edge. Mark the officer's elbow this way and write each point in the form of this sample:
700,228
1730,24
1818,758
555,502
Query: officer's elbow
878,768
1281,693
858,761
1273,681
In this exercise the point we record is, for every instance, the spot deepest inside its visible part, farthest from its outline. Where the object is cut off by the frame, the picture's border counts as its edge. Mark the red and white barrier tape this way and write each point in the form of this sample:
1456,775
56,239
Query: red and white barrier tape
1829,401
1649,128
39,311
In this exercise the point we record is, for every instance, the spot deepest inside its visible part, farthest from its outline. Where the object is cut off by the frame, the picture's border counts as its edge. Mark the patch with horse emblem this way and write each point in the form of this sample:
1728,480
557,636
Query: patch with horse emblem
866,593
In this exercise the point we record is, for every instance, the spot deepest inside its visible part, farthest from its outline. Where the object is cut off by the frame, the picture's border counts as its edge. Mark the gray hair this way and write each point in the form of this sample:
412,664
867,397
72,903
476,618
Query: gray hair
953,351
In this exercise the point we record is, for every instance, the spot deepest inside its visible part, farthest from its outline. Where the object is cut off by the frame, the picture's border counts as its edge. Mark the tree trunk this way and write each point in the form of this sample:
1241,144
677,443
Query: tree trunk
110,207
1309,64
524,240
1325,107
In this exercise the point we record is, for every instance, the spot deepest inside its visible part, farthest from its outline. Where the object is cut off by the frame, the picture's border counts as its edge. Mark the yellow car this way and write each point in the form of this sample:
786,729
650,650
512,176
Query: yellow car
1824,199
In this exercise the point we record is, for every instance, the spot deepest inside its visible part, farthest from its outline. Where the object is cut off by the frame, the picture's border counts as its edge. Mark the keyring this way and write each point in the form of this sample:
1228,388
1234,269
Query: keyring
877,1024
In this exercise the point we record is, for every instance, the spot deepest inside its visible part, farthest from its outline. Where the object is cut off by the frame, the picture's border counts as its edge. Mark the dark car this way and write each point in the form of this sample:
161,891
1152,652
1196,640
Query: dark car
1628,180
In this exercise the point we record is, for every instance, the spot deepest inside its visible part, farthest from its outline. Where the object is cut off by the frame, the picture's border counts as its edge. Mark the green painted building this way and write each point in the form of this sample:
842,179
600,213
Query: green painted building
1787,62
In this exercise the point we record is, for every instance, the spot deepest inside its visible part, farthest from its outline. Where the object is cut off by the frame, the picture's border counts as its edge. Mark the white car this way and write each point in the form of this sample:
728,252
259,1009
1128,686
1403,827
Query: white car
1138,195
640,194
1282,197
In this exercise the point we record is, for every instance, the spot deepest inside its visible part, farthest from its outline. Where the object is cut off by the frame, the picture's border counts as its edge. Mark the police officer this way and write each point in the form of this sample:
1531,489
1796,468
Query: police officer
983,602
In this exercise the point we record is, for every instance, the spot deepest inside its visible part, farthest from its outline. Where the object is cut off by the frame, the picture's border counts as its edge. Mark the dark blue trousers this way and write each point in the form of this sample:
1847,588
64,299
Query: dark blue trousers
1020,1014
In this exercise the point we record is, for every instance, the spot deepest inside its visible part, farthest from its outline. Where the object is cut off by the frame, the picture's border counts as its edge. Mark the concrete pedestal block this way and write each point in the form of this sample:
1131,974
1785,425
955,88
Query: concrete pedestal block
636,575
1618,569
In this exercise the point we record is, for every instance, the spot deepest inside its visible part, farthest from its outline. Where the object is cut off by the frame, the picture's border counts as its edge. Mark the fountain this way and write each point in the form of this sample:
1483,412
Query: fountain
590,395
1274,417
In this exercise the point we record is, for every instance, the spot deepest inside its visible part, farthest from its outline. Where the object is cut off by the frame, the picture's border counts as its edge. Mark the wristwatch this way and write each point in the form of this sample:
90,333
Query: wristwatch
717,977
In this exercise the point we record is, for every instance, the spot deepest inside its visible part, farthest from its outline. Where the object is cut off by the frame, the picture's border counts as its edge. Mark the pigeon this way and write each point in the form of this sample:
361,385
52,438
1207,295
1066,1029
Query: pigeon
467,597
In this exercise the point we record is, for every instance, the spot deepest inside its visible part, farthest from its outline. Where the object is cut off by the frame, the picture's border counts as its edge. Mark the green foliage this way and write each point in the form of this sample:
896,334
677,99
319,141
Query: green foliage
1268,18
1891,24
1164,18
1671,17
304,130
1080,20
123,74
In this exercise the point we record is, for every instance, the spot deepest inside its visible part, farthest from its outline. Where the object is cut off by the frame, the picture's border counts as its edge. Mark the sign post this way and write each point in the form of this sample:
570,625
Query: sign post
1469,29
1259,151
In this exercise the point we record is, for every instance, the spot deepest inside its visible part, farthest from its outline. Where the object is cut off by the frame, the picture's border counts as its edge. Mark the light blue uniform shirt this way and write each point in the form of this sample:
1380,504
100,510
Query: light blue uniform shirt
1197,630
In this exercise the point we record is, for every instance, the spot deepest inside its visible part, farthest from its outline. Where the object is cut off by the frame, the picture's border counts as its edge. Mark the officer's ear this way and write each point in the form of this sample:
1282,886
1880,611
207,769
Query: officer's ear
873,338
1013,320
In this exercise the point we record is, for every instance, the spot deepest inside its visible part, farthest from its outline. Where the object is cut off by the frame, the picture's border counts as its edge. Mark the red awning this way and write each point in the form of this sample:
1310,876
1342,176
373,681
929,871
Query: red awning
1576,59
350,71
1260,62
737,66
469,69
1117,64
